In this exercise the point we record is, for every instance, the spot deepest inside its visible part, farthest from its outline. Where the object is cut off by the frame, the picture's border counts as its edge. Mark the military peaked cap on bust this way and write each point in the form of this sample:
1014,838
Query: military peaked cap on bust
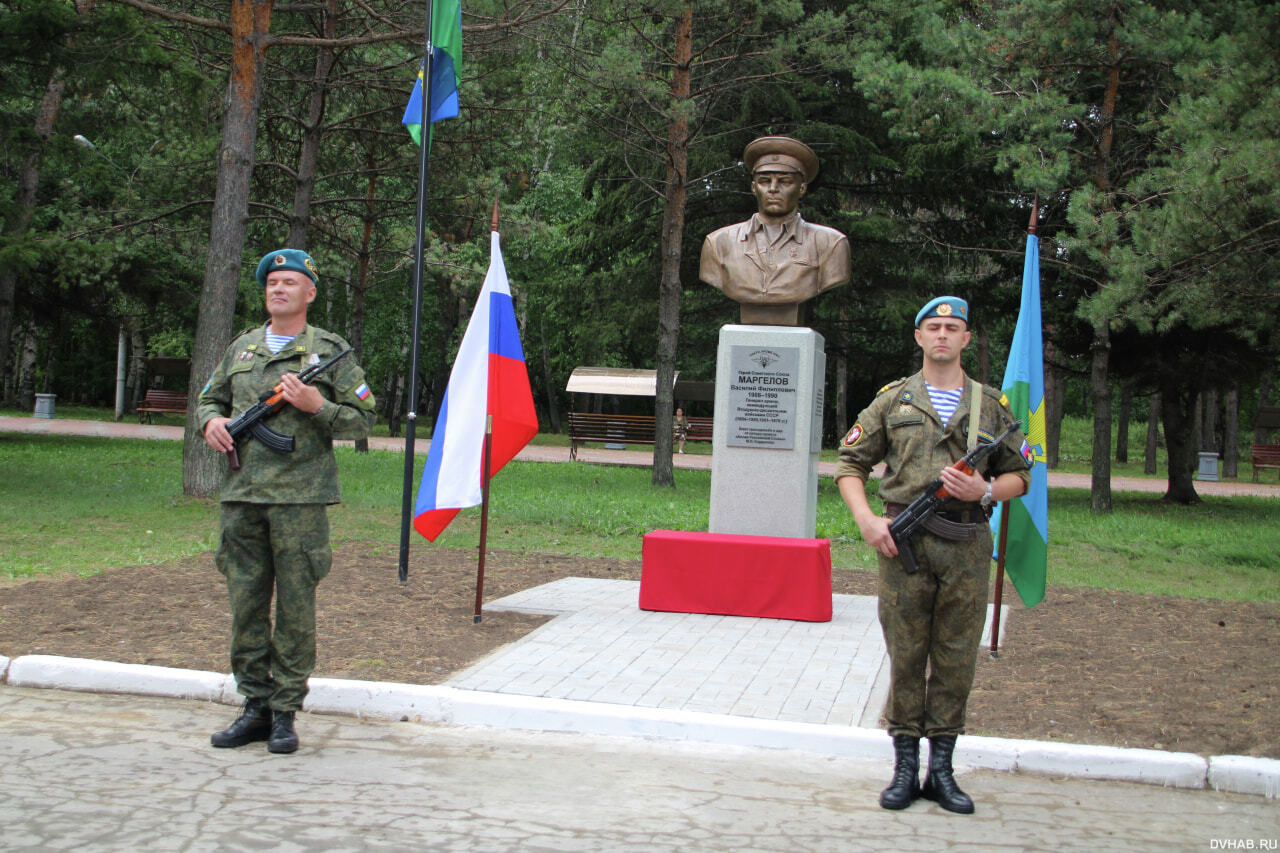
287,259
781,153
944,306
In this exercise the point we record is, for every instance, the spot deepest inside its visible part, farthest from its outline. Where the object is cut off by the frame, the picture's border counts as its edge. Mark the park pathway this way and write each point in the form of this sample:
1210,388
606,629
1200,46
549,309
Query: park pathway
601,456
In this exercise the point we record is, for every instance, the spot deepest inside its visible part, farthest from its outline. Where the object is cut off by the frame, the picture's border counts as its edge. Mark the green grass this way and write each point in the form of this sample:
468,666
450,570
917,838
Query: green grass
84,505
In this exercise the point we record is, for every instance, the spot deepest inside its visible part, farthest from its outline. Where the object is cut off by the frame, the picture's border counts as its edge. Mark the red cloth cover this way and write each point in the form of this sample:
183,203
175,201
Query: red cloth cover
773,576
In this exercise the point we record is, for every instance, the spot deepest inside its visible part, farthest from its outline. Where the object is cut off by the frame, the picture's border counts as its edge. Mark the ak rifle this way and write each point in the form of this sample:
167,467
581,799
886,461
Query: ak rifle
252,421
923,508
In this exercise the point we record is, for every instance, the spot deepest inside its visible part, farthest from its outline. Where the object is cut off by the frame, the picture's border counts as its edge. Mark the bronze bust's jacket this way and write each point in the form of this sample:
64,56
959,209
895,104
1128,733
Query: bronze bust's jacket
805,261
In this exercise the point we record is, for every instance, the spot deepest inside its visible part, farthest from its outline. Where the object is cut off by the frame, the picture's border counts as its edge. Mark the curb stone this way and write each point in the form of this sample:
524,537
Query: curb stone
1244,774
440,704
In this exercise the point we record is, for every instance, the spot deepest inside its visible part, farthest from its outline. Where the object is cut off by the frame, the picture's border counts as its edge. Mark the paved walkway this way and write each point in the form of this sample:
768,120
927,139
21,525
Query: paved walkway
604,648
596,454
91,772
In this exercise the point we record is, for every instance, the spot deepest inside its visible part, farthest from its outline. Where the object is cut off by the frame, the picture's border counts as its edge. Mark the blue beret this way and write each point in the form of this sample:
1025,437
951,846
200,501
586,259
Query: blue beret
286,259
944,306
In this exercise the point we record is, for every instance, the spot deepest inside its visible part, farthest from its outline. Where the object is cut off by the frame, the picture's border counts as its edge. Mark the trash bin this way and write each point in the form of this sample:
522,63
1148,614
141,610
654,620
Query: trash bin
44,405
1208,467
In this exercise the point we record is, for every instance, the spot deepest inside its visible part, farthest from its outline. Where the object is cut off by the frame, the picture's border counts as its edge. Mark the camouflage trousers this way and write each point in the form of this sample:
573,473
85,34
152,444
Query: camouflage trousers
932,623
280,548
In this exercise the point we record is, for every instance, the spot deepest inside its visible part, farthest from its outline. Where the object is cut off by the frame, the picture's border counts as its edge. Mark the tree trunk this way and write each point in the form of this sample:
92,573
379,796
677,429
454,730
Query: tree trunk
250,23
24,204
1100,393
672,244
391,401
360,286
139,348
1122,424
1209,422
842,380
984,356
1177,408
1196,431
312,131
1099,381
27,369
1231,432
842,394
1153,435
1054,390
548,380
1260,434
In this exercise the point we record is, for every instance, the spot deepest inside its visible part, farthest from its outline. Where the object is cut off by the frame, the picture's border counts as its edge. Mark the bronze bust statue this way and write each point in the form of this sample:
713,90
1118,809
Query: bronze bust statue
775,261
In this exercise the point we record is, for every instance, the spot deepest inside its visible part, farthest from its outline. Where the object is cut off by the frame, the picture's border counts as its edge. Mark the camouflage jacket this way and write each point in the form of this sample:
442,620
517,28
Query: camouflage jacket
310,473
901,428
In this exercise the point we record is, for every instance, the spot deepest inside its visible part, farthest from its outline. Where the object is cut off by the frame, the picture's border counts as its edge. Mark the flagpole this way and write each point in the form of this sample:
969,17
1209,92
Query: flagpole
484,479
411,416
999,598
1004,507
484,513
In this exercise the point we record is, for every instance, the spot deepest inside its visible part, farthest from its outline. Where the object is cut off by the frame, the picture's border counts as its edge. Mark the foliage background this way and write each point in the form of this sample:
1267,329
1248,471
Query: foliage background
1146,131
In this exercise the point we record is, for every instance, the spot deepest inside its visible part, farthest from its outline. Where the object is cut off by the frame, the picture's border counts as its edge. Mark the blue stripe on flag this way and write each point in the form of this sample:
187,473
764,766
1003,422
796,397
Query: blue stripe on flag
431,471
504,332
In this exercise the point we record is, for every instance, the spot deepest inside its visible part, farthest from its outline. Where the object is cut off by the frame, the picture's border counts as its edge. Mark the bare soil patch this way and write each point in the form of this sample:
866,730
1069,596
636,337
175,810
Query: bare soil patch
1085,666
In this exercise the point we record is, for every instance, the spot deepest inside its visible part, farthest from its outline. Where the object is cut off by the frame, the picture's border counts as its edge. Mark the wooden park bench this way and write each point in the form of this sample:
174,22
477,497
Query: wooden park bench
624,429
157,401
1265,456
700,429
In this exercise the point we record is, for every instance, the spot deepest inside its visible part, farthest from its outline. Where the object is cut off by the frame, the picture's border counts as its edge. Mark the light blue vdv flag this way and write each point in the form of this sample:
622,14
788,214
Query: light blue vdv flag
1027,540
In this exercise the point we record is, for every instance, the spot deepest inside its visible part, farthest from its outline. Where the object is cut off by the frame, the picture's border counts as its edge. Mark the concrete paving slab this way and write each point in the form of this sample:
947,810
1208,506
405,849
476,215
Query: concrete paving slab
95,772
606,649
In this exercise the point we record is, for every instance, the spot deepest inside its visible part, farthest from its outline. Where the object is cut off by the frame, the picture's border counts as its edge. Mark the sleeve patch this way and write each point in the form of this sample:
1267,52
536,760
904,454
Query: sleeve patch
854,436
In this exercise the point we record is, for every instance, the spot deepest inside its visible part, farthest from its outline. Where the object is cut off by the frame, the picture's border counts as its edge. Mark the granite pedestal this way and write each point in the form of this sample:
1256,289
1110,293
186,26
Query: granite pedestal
768,431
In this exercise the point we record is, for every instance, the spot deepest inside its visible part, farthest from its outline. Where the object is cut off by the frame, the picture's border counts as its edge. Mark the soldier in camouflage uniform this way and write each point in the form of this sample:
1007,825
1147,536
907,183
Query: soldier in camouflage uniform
932,620
274,521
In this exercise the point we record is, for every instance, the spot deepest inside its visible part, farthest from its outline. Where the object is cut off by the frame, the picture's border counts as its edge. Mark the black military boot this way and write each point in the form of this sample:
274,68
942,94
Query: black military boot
253,724
939,782
905,787
283,738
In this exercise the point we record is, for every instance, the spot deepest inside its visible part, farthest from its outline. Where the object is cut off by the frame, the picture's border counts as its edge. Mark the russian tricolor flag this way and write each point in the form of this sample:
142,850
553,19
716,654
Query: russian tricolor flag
489,378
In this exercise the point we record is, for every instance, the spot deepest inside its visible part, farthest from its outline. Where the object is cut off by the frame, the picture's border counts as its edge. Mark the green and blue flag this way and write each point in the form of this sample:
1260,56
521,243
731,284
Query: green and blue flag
446,66
1026,554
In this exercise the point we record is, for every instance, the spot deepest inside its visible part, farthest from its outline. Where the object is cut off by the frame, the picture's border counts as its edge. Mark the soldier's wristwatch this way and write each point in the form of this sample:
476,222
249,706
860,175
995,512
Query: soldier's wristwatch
986,499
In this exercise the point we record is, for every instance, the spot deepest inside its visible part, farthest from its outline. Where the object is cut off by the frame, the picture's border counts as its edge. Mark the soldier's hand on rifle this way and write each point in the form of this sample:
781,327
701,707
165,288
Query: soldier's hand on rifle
216,435
299,394
964,487
875,532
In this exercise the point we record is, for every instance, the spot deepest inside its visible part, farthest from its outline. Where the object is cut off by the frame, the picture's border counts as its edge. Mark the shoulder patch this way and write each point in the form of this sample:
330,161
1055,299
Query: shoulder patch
892,384
854,436
332,337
